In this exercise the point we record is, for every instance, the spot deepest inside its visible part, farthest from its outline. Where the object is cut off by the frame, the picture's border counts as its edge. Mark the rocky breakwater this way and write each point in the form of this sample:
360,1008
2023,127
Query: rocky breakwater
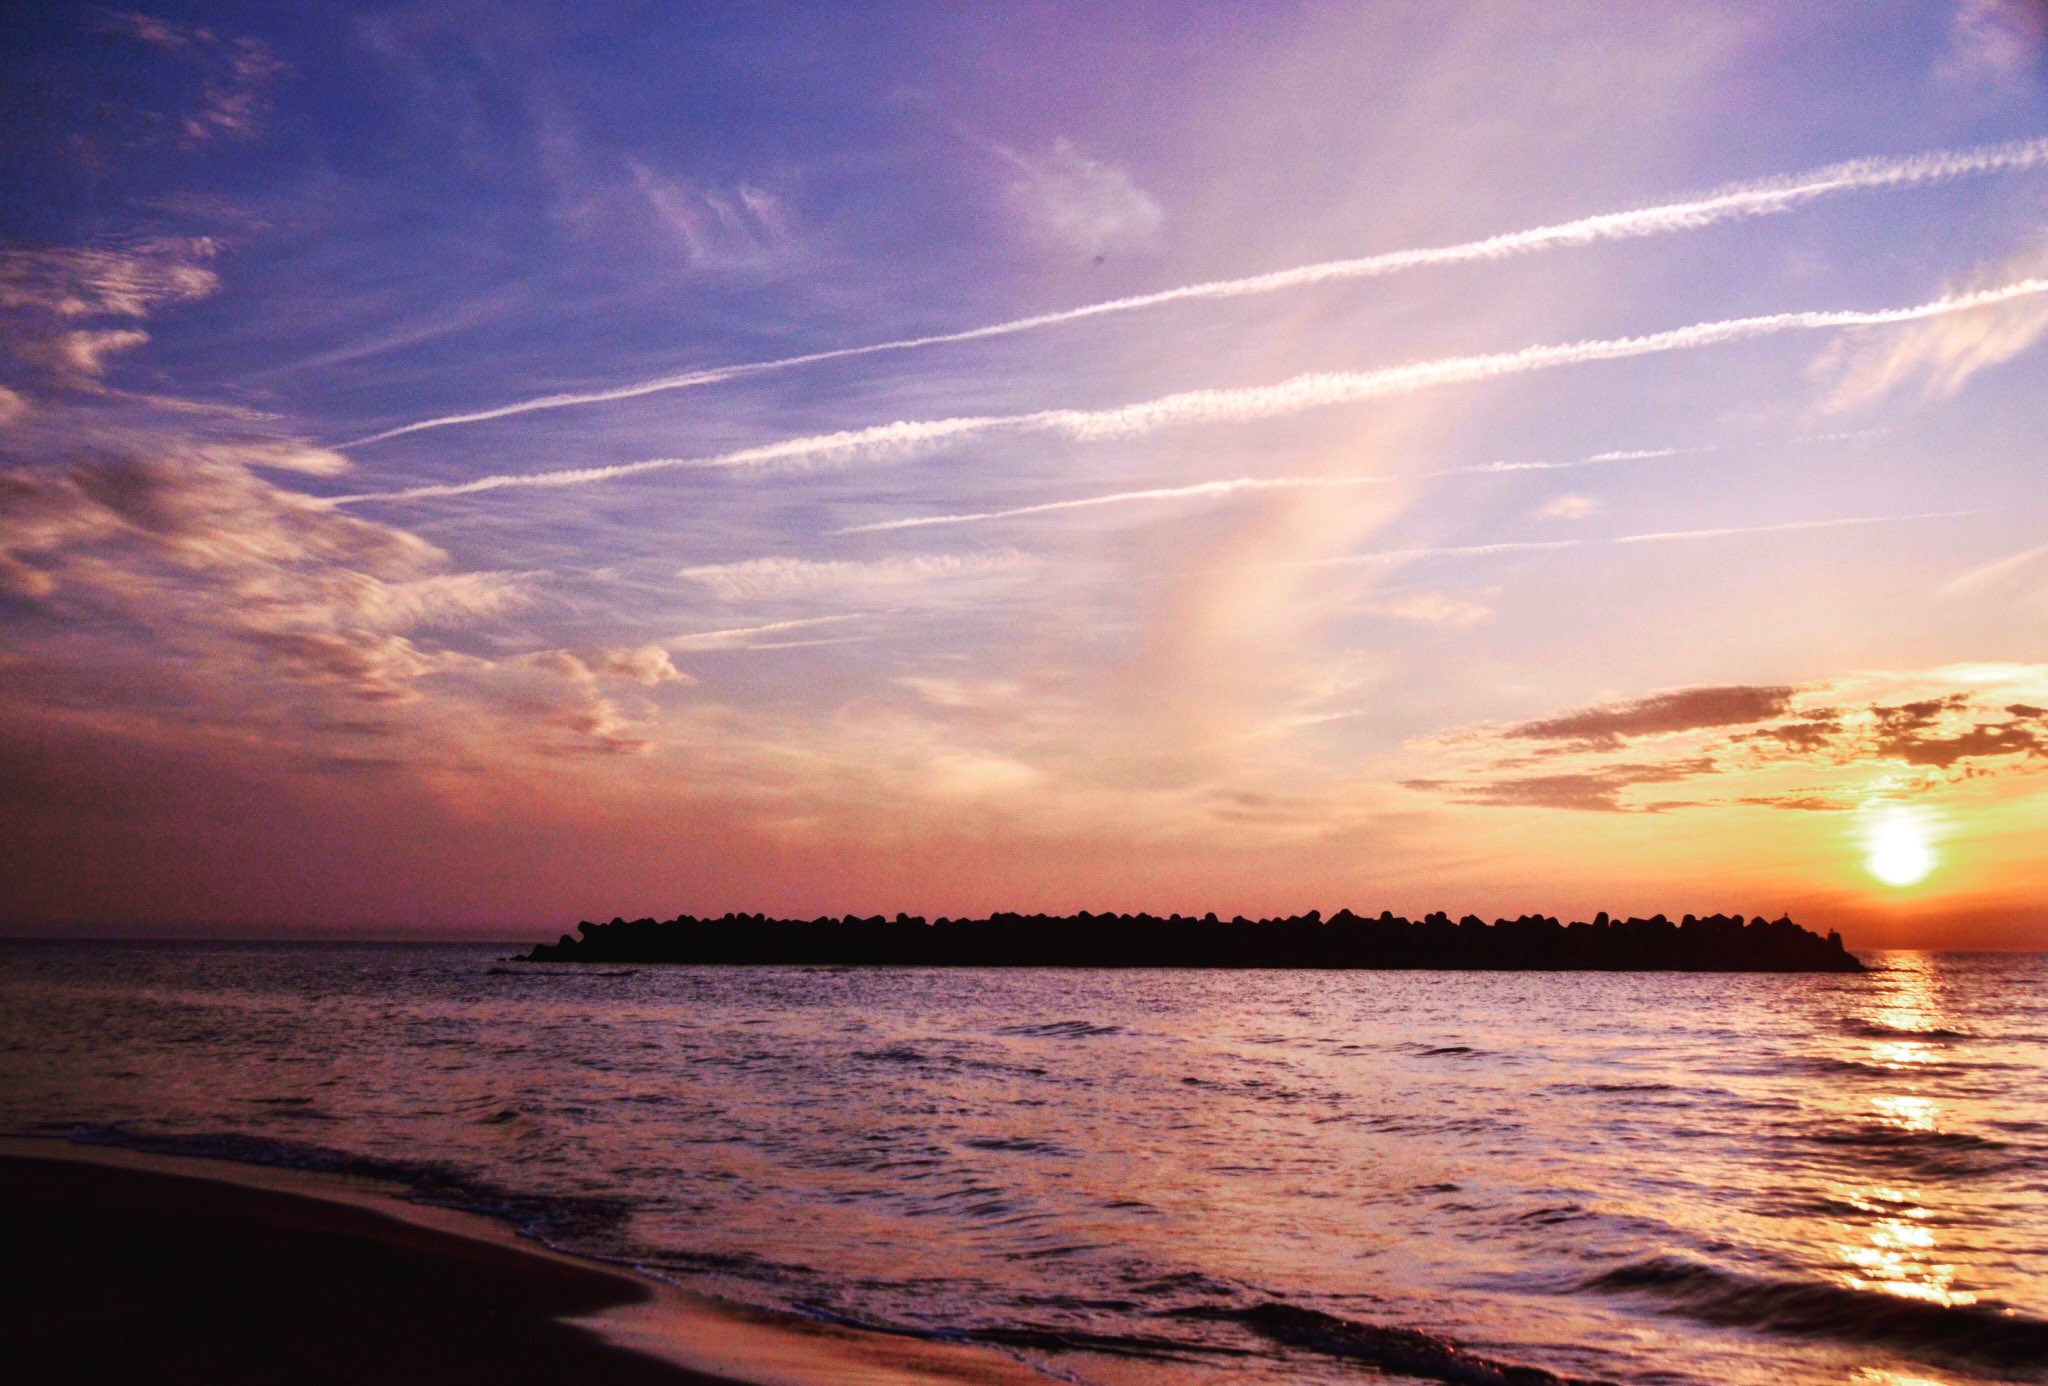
1714,943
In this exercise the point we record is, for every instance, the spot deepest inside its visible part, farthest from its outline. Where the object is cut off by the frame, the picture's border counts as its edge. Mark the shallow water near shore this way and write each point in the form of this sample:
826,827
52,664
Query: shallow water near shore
1144,1177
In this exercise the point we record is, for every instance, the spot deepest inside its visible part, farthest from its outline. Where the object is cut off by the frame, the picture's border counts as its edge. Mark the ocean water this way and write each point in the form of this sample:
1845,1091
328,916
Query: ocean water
1148,1177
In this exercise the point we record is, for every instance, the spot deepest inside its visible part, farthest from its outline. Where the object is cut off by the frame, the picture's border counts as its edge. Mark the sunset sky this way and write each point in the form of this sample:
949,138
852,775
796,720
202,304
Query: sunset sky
465,468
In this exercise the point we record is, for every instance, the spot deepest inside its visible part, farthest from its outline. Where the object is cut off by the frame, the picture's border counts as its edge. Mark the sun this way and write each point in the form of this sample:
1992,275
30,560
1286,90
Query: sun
1897,850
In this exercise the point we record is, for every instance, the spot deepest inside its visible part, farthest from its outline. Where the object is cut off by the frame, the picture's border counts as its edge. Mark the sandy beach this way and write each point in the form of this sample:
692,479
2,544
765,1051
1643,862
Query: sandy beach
124,1267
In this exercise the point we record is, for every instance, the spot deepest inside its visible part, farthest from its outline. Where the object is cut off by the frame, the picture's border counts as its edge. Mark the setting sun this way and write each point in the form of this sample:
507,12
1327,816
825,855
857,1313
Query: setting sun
1897,851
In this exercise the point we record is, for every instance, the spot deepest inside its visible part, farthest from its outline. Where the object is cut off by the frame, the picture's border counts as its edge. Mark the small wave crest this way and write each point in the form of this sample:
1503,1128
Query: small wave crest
1874,1029
1924,1152
547,1217
1979,1333
1408,1351
1060,1029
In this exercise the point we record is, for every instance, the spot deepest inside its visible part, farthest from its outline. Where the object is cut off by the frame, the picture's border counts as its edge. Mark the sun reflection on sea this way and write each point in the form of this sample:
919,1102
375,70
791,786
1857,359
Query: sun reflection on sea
1897,1254
1903,1053
1908,1113
1911,1003
1895,1251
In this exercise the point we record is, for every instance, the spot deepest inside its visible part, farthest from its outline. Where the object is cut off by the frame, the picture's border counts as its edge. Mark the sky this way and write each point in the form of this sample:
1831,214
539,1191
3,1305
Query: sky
467,468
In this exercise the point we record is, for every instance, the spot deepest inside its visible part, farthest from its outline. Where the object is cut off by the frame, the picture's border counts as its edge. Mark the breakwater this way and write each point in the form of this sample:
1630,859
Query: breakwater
1714,943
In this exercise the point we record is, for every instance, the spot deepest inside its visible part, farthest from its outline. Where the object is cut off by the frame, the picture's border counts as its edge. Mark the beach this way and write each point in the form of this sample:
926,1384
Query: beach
122,1267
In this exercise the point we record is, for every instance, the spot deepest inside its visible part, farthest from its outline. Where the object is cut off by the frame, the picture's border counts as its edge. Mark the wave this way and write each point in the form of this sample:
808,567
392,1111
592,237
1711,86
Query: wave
1982,1333
1926,1152
894,1054
1409,1351
1874,1029
1060,1029
547,1218
1018,1145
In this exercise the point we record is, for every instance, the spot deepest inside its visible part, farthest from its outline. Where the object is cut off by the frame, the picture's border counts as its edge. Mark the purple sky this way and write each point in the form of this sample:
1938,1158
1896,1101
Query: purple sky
465,468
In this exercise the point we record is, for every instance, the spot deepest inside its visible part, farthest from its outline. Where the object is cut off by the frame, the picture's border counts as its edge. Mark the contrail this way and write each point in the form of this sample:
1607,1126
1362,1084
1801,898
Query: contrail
1734,202
1200,488
743,637
1247,483
1234,405
1662,537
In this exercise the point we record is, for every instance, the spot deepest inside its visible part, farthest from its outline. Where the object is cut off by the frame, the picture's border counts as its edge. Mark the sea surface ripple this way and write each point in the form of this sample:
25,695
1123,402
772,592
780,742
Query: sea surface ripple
1141,1177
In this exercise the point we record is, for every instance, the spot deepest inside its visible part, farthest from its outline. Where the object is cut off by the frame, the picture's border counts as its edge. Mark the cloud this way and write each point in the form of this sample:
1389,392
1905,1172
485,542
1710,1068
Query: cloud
12,406
1434,609
758,579
1591,791
643,664
372,666
1939,354
1736,744
236,76
744,229
1994,42
1733,202
1081,203
1939,732
1607,725
1233,405
576,716
76,358
185,539
123,279
1569,507
48,296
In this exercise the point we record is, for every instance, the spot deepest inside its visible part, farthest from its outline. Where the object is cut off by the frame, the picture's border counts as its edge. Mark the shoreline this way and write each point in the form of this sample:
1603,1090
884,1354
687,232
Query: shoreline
119,1264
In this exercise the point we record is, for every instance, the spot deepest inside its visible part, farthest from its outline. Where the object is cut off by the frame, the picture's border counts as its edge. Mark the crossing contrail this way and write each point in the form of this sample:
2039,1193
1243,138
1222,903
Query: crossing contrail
1661,537
1231,405
1734,202
1250,483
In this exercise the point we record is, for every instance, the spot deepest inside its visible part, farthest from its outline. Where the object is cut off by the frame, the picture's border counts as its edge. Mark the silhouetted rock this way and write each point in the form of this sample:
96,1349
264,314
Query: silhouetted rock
1715,943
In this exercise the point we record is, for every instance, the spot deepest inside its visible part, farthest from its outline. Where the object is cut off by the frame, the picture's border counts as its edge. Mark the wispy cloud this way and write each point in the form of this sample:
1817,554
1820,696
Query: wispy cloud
1994,42
1434,609
124,279
50,297
1240,404
1203,490
1940,354
1568,507
739,230
756,579
1082,203
1658,537
770,635
1608,725
237,75
1730,203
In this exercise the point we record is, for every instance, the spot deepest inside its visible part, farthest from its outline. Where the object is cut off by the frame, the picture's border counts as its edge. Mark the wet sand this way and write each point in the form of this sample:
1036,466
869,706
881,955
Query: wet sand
125,1268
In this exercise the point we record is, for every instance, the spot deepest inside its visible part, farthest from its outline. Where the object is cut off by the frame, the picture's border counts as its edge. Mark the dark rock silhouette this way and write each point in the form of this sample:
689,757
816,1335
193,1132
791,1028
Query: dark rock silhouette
1716,943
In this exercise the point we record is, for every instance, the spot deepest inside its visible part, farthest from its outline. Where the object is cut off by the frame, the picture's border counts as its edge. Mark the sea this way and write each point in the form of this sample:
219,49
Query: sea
1141,1177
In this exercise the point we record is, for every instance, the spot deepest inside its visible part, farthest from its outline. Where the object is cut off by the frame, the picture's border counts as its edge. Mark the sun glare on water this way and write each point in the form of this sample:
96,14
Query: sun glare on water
1897,850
